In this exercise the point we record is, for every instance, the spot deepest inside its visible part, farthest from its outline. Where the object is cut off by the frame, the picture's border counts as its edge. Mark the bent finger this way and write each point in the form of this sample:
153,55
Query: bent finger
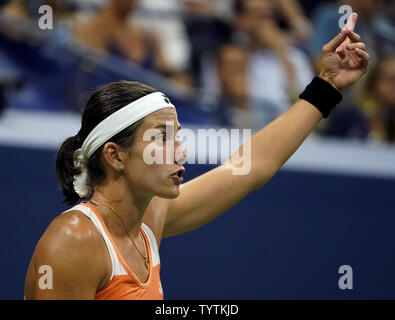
354,37
335,42
354,45
363,55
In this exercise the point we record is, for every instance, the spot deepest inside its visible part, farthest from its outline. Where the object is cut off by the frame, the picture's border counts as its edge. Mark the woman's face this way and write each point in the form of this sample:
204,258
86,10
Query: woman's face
152,166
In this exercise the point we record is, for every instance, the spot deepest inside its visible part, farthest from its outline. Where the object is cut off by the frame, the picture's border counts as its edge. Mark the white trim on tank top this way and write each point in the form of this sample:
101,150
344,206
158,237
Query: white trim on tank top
117,267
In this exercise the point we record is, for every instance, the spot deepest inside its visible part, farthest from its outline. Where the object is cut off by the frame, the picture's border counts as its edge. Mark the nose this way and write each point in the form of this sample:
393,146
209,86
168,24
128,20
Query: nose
181,154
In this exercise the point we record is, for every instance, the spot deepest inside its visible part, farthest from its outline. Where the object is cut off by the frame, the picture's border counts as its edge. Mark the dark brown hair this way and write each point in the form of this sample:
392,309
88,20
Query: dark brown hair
102,103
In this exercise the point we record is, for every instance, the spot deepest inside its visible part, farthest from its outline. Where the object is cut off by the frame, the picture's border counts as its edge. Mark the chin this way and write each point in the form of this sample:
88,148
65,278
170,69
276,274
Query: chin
173,193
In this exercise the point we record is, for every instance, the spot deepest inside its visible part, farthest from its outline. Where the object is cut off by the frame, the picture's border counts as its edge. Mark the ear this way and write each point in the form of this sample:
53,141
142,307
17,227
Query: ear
114,155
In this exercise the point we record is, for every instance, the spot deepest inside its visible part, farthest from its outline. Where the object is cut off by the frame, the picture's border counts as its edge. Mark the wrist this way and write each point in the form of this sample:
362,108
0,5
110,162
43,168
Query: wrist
327,79
322,94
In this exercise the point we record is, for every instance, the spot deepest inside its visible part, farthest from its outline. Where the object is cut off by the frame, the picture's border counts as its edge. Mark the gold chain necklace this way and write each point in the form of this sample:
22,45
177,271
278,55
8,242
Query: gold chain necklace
112,209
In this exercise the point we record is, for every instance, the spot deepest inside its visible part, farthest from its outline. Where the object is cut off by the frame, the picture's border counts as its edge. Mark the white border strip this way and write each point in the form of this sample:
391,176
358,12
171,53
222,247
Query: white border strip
344,157
43,130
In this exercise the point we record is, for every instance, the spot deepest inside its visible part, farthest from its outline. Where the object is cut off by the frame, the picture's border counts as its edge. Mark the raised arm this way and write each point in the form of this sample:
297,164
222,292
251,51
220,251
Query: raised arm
206,197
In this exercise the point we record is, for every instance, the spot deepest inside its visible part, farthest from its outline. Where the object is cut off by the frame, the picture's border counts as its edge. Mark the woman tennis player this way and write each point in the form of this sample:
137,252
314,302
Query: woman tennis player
107,247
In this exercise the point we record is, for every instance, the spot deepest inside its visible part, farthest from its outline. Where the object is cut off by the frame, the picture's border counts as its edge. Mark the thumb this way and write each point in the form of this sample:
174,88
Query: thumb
335,42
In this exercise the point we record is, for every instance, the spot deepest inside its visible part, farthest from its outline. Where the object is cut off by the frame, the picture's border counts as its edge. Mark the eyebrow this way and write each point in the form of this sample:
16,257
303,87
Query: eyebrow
164,126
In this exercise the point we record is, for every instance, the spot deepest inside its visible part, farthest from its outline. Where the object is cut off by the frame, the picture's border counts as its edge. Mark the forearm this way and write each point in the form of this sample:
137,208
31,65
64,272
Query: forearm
273,145
220,189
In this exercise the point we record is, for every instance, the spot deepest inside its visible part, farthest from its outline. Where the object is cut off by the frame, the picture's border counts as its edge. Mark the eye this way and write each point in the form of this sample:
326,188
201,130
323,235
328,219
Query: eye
162,137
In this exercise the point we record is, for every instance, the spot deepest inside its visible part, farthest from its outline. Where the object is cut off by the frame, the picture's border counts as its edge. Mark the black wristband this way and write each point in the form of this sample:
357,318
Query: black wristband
322,95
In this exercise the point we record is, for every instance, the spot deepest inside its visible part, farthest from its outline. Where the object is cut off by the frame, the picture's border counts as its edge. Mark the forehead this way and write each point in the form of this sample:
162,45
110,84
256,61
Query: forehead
160,117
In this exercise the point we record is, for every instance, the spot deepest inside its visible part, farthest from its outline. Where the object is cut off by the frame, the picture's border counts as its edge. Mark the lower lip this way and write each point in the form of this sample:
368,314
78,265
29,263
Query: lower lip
177,178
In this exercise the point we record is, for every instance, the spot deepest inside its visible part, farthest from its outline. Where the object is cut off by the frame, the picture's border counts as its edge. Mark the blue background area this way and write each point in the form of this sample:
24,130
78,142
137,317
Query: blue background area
286,240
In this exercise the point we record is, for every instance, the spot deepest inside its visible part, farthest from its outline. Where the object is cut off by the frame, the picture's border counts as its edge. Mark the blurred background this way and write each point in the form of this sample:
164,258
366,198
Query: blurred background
223,63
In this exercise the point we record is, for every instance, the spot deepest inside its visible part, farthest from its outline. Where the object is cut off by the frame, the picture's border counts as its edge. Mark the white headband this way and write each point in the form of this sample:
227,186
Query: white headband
108,128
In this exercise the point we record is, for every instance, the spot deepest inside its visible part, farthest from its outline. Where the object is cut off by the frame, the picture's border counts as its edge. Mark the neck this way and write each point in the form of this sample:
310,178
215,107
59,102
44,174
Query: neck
129,206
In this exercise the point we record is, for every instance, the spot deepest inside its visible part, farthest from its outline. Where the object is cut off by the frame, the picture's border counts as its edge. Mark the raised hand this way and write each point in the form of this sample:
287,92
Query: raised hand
344,59
342,49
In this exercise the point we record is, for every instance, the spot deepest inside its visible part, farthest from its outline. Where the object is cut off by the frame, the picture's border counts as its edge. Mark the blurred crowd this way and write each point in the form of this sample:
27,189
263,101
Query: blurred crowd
251,57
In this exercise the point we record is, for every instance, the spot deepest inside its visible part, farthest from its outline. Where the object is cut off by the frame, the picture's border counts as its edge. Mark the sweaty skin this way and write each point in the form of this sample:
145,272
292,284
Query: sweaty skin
75,250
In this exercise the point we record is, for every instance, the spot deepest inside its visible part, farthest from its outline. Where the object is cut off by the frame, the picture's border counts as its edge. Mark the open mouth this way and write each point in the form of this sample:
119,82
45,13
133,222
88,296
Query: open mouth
177,176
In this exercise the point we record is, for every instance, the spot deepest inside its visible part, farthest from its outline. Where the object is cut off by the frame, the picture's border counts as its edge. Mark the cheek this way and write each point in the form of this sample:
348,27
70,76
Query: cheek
141,171
147,165
161,153
143,177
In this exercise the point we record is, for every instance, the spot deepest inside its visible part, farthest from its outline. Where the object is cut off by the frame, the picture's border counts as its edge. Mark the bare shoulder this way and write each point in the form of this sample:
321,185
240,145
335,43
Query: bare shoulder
72,229
75,251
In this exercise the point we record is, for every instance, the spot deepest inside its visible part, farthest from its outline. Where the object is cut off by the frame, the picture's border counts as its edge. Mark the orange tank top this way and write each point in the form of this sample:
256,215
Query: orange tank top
123,283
